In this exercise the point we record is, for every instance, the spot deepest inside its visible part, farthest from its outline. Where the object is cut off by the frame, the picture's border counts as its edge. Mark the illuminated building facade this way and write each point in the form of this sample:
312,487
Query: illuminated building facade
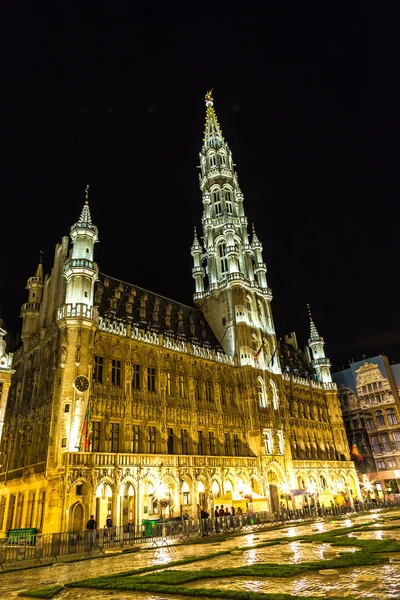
126,403
369,396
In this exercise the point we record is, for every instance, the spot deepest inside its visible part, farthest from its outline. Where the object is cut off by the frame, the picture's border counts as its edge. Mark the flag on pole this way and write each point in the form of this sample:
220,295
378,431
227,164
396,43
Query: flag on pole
257,354
355,451
272,359
85,430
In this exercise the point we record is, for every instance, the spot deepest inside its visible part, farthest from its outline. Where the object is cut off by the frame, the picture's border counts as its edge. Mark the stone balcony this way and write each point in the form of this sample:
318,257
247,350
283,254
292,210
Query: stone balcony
323,463
109,459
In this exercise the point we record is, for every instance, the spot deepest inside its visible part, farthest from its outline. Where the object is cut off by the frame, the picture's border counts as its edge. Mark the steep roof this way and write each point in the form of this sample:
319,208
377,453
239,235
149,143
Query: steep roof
123,301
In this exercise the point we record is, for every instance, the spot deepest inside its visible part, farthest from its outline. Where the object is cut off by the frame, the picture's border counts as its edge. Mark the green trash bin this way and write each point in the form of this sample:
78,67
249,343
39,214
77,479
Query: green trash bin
148,526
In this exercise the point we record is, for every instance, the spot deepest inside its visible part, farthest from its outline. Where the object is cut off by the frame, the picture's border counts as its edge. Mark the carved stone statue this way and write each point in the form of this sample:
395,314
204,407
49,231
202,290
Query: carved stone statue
63,355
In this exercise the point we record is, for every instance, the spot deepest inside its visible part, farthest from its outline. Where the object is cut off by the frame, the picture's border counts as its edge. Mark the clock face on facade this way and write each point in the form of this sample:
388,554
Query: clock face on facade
81,383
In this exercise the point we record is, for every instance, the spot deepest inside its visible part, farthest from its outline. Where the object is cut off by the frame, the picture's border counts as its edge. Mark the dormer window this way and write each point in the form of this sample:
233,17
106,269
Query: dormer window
223,160
213,161
228,202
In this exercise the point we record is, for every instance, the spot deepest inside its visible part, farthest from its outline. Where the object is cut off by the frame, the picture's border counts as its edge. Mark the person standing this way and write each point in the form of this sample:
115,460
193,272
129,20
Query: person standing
91,527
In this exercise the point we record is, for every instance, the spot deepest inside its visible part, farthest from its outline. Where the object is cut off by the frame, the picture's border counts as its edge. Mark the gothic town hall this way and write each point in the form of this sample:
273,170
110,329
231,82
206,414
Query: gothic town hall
122,398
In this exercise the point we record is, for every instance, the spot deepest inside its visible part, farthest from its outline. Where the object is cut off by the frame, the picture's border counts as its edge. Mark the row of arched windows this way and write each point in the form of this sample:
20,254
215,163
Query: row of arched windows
222,200
214,159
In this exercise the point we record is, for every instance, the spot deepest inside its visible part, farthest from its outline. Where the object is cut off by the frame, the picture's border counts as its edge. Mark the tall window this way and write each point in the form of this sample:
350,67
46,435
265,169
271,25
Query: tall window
249,308
268,442
223,159
207,390
170,440
281,446
136,439
181,385
151,440
212,160
217,203
31,510
114,437
262,392
369,422
201,443
228,202
387,447
236,444
380,420
116,372
227,444
94,443
184,441
222,393
212,443
196,382
275,397
229,395
20,509
391,416
396,441
376,447
41,509
98,369
136,377
223,259
2,510
168,385
10,513
151,379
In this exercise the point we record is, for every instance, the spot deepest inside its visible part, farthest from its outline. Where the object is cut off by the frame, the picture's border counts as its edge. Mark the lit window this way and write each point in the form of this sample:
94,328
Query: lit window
212,160
268,442
275,397
262,393
151,379
181,385
217,203
223,260
169,383
116,372
391,416
208,391
136,377
98,369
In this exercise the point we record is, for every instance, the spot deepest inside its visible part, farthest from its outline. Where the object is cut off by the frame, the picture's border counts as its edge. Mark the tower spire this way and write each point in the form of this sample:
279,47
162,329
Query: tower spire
212,132
39,270
314,335
85,214
230,270
320,363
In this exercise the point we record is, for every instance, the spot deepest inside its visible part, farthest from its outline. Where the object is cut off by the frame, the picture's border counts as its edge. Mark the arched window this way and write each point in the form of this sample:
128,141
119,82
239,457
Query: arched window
262,393
213,160
249,307
369,422
223,259
208,389
229,395
380,419
323,483
275,397
181,384
216,195
228,202
223,159
391,416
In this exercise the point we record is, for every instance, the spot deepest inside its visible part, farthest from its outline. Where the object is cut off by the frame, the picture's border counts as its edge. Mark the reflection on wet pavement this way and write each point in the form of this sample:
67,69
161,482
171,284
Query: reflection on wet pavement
292,552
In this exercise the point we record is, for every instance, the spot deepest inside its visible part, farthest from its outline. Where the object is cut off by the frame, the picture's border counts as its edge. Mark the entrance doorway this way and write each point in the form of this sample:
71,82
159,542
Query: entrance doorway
128,504
77,517
274,497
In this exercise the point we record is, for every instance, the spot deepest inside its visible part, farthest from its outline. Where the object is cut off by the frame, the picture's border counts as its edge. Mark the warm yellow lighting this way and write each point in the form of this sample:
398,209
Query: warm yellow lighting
285,487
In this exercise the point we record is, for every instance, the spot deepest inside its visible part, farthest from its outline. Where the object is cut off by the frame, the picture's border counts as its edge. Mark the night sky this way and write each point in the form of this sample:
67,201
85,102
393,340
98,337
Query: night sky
308,101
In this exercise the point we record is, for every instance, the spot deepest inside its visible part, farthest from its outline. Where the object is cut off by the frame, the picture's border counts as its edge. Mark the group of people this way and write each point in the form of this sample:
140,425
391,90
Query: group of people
221,516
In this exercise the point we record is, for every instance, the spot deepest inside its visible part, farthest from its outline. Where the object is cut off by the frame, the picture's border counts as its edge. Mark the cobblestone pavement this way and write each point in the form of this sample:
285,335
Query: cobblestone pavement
12,583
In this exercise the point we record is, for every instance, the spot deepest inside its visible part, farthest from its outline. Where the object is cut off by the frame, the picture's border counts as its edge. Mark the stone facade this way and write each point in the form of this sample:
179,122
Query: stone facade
128,404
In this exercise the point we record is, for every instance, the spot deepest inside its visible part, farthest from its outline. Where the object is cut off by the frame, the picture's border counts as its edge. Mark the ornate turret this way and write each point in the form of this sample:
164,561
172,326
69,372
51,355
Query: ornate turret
235,274
319,361
80,271
30,311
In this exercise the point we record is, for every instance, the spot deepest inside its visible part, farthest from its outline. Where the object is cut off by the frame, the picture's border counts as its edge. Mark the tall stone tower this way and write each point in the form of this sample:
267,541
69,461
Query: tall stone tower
231,288
77,323
30,311
320,363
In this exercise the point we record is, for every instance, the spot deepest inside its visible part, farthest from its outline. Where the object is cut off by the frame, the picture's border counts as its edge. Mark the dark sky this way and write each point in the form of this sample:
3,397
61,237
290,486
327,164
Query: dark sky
308,100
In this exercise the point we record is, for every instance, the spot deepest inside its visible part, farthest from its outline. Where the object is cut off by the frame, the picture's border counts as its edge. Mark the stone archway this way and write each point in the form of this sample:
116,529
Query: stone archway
127,503
78,517
273,491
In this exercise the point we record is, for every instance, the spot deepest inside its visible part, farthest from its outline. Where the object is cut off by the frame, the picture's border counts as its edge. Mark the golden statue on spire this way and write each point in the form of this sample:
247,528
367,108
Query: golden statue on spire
208,97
